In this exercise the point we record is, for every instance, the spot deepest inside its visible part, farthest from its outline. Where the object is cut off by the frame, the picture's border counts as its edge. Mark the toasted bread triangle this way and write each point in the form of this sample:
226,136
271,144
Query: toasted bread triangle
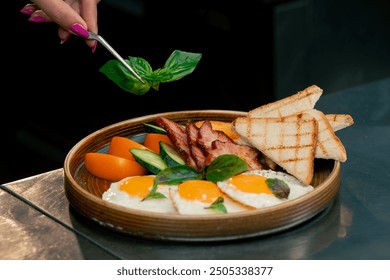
339,121
289,141
328,145
290,105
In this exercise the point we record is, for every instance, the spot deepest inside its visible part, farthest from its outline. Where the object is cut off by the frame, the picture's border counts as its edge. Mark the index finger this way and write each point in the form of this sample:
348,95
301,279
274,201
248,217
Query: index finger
61,13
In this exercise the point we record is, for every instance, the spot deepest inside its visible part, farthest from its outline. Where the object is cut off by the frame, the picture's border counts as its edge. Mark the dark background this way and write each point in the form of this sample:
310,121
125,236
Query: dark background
253,52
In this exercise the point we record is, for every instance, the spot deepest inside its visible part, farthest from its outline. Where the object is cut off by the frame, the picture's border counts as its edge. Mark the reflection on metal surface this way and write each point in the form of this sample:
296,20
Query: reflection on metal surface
317,234
345,220
28,234
329,228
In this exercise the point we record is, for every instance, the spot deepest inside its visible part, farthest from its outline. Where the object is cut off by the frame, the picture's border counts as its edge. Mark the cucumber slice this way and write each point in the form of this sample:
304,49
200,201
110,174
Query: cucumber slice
170,155
148,159
151,128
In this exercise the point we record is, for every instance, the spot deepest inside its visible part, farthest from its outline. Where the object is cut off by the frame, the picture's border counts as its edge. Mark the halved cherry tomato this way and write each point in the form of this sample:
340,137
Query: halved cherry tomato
111,167
152,141
120,146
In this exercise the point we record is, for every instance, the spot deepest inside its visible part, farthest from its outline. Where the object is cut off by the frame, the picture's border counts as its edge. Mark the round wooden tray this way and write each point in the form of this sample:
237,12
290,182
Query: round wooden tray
84,192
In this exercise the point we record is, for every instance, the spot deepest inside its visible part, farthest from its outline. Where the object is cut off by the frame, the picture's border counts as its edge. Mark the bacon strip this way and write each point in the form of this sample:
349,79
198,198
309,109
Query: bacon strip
249,154
200,146
207,136
196,152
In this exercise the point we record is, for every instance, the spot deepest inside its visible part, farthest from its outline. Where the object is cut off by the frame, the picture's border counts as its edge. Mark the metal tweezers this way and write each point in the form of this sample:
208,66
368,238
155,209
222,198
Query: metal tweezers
94,36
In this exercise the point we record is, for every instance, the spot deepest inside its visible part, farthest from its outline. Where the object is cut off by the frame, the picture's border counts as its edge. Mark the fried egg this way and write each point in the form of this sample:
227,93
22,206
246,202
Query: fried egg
131,191
194,197
250,188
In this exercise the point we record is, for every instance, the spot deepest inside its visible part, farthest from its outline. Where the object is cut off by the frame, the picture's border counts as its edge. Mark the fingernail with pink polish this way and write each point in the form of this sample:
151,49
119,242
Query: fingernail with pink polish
26,11
94,47
79,30
65,39
37,19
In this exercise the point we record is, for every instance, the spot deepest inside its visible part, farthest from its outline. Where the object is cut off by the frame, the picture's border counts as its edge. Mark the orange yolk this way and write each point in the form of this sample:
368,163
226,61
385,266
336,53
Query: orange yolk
204,191
137,186
250,183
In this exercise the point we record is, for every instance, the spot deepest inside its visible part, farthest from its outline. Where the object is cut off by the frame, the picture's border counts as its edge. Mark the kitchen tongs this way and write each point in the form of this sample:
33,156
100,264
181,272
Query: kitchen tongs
94,36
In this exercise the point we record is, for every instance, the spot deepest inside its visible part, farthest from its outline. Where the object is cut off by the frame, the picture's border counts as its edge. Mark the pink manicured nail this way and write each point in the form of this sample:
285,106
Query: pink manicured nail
26,11
37,19
65,39
79,30
94,46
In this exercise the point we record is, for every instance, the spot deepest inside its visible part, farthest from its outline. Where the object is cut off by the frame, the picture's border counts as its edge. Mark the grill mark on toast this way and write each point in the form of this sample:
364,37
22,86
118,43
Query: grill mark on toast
288,141
339,121
282,147
329,145
304,100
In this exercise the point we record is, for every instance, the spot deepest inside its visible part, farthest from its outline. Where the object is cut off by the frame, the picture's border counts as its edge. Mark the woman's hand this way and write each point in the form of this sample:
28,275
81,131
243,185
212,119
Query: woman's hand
72,16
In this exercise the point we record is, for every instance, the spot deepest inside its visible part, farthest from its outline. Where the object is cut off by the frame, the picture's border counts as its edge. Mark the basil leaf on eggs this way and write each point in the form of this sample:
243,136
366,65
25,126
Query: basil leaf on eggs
224,167
279,188
218,205
172,176
177,174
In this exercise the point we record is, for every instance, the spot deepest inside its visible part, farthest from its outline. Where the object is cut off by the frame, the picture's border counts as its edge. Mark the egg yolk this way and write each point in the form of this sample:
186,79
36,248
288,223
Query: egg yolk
250,183
204,191
137,186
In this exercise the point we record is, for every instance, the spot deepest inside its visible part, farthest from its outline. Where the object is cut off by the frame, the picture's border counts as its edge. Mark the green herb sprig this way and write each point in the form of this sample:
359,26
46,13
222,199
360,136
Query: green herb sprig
178,65
218,206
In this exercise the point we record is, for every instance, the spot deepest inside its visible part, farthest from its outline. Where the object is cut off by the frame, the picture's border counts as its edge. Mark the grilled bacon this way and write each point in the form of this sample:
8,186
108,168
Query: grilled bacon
200,146
249,154
196,152
207,136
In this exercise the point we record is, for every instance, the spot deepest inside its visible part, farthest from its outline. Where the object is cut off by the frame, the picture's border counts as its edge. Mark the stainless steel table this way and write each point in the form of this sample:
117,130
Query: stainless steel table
36,221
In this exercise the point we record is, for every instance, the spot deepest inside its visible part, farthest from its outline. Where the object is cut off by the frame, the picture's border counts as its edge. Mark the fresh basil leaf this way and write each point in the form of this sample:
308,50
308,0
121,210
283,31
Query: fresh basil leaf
154,195
179,64
218,205
112,70
278,187
163,75
224,167
115,71
177,174
155,80
172,176
141,66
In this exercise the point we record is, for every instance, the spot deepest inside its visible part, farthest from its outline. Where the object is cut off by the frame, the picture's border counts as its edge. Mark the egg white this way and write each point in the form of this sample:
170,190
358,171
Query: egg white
195,207
260,200
235,200
161,205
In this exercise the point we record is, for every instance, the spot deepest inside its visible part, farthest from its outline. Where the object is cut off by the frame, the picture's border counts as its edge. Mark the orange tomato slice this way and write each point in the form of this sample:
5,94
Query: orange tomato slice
112,167
120,146
152,141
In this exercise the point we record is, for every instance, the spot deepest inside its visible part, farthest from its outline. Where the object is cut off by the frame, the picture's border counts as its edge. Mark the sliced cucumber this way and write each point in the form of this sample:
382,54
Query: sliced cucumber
170,155
151,128
148,159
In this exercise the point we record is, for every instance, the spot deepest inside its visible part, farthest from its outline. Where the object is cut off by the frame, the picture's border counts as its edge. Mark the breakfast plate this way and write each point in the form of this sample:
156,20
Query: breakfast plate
84,192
